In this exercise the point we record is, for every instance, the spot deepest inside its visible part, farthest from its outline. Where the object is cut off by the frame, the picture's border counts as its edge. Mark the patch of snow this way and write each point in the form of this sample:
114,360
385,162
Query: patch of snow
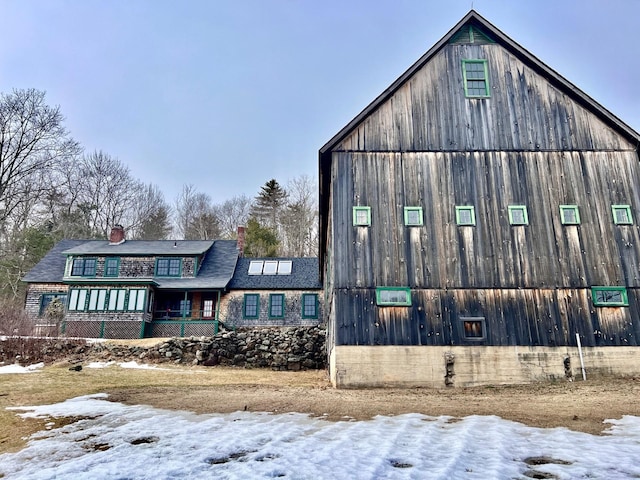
20,369
114,440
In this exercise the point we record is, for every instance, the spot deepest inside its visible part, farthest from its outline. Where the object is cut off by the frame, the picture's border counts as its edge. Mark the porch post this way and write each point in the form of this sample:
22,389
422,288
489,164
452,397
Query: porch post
184,305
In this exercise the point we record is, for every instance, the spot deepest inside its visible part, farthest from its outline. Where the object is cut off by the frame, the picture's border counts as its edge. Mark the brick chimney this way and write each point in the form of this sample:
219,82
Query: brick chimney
241,243
116,237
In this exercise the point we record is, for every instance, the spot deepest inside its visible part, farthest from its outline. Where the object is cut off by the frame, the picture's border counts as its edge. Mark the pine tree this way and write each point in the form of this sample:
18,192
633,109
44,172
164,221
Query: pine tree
269,204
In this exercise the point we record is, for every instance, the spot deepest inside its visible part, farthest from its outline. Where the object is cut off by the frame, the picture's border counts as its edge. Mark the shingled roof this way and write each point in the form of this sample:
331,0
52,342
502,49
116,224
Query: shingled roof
304,276
51,268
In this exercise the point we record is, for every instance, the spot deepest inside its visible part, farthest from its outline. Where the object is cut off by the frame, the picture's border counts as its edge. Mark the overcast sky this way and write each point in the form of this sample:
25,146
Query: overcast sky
227,94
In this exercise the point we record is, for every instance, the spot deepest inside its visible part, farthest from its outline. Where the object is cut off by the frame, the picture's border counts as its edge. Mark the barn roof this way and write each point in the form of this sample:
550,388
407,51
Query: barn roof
490,33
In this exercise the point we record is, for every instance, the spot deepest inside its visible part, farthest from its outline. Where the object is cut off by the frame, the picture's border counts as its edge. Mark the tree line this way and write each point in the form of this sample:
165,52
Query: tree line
51,189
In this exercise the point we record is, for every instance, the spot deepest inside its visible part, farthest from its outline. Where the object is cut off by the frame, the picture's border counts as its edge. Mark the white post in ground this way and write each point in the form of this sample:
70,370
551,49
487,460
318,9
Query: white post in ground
584,373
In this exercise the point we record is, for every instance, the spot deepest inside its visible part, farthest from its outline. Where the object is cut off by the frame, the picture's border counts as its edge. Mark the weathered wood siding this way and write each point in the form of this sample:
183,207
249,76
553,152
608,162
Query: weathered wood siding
524,112
544,317
492,254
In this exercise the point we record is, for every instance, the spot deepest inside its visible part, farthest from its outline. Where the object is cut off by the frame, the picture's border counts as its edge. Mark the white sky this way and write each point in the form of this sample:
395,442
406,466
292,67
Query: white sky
116,441
227,94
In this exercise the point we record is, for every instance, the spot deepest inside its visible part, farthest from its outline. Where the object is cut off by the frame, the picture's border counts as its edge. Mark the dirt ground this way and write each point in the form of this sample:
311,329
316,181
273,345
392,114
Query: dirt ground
580,406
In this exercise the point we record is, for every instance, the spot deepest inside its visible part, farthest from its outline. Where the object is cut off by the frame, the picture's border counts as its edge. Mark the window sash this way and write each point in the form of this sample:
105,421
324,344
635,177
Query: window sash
111,267
473,328
207,309
276,305
518,215
168,267
465,215
309,305
569,215
83,267
610,296
393,296
361,216
622,214
251,307
475,74
77,300
413,216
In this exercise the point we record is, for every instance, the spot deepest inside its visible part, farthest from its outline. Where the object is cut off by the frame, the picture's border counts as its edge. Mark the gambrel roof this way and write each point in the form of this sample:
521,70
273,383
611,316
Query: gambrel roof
472,25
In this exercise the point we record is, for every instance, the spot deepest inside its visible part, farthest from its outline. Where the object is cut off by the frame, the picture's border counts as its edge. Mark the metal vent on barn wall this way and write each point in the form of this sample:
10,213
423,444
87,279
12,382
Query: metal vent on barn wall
471,33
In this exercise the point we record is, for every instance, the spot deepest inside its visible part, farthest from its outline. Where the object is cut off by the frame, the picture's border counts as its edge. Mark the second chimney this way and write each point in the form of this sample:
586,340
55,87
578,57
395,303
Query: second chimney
241,232
116,237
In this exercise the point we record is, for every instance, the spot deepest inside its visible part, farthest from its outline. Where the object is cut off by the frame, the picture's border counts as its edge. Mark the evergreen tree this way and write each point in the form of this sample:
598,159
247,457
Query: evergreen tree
269,204
261,241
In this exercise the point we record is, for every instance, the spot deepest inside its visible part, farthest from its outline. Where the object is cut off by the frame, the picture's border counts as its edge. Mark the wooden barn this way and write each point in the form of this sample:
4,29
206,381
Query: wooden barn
480,220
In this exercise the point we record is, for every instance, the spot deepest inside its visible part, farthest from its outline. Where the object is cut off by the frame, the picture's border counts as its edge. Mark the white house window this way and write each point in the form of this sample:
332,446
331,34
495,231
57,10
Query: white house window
270,267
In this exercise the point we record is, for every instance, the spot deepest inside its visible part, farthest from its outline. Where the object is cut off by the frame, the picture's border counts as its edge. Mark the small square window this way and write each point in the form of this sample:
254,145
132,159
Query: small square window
361,216
518,215
609,296
476,78
569,215
473,328
251,308
111,266
389,296
465,215
276,305
413,216
622,214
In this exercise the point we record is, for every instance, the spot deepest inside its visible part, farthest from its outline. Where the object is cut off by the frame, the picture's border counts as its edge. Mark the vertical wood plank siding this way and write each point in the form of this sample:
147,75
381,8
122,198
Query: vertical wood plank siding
528,144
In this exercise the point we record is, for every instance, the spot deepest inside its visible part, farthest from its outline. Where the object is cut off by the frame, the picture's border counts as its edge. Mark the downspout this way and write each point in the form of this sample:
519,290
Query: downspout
217,317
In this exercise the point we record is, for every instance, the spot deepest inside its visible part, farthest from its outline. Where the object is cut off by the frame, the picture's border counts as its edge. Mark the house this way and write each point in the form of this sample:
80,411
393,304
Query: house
479,222
120,288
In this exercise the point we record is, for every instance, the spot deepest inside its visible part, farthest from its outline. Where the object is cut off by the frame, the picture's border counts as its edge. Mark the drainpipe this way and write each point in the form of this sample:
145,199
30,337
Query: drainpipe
215,323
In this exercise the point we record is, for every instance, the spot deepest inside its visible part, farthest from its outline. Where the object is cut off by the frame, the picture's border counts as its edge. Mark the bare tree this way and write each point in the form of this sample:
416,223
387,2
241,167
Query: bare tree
151,215
233,213
299,220
33,141
196,217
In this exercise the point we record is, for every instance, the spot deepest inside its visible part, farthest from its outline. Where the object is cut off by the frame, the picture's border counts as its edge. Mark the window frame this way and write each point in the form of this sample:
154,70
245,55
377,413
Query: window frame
52,296
513,208
76,297
484,63
169,261
600,303
117,296
385,303
255,267
574,209
272,297
465,208
109,260
83,268
625,208
270,267
483,328
314,296
257,305
138,296
367,211
97,301
408,211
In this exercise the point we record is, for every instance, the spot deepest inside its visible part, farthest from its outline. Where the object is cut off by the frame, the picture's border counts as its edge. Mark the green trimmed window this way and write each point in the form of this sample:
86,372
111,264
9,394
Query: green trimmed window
389,296
569,215
518,215
136,300
465,215
622,214
47,298
609,296
116,299
111,266
309,305
276,305
361,216
473,328
251,307
476,78
77,299
97,300
413,216
168,267
83,267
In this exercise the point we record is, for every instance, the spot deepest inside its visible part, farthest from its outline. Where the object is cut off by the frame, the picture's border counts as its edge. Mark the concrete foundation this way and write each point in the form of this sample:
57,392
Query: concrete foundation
401,366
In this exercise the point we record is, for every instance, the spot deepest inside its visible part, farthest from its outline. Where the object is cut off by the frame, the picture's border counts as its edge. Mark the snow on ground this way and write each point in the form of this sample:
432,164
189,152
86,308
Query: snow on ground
117,441
20,369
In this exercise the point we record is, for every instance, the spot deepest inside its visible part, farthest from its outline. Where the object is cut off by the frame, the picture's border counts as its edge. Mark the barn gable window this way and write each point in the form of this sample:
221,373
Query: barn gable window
476,78
518,215
465,215
413,216
569,215
610,296
390,296
251,308
473,328
622,214
361,216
